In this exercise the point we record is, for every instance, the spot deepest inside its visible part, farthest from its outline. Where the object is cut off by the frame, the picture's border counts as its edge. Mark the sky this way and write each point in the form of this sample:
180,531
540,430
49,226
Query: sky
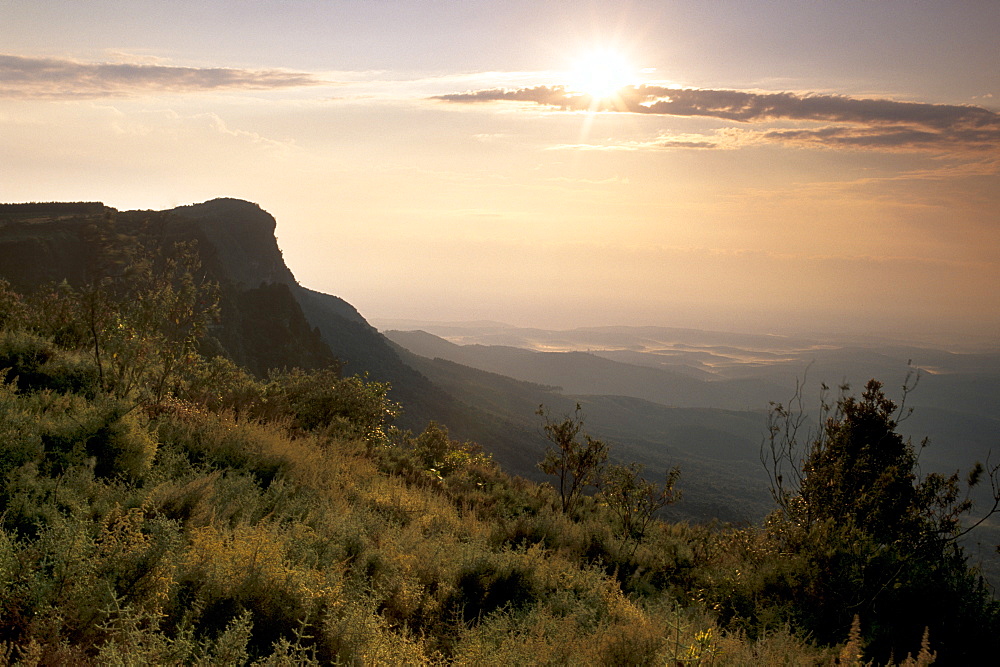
778,166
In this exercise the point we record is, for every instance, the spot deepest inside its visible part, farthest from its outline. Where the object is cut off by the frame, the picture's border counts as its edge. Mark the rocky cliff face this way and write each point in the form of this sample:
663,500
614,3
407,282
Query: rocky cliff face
268,320
239,236
262,325
40,243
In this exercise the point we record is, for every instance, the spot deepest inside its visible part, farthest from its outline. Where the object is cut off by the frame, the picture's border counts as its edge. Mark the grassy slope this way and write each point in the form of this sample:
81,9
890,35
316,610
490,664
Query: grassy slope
223,525
181,532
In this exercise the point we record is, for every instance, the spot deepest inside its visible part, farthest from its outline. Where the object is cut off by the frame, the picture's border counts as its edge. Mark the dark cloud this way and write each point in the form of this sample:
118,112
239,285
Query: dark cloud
51,77
893,137
672,143
555,96
863,122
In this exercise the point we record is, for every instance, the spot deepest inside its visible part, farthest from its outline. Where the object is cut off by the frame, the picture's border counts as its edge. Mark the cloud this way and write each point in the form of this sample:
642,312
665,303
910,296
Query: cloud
661,142
171,125
556,96
726,139
22,77
851,123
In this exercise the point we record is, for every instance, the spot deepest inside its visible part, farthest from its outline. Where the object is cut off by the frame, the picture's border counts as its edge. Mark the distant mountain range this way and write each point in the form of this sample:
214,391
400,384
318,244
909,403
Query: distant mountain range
701,397
661,396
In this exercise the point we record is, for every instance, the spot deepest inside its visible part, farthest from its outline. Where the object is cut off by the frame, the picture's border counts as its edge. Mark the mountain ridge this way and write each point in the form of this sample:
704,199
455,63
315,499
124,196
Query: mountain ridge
267,321
271,321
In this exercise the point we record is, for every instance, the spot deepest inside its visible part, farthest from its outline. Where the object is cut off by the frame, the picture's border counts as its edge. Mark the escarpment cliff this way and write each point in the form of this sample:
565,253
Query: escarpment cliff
267,320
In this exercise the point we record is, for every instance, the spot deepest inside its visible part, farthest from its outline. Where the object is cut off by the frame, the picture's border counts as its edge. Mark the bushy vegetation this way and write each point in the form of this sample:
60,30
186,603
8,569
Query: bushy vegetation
875,539
161,507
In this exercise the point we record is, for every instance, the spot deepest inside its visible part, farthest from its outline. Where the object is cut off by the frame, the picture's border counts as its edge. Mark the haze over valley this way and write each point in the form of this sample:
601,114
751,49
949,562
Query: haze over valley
954,397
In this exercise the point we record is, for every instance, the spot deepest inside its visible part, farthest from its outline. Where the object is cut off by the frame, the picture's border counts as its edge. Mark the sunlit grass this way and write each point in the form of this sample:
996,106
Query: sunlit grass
236,522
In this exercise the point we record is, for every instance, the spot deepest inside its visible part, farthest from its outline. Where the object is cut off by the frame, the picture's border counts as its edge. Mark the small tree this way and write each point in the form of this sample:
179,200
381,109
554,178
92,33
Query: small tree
633,500
140,320
161,306
576,464
879,541
859,470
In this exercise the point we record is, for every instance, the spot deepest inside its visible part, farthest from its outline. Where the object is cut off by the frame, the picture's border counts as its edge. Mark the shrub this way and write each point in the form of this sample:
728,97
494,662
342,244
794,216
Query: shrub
875,538
122,445
633,500
227,573
106,429
352,407
22,355
13,310
221,441
219,385
19,433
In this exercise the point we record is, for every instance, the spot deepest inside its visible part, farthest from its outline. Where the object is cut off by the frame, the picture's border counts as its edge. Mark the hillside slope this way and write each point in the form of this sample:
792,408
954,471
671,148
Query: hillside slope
267,320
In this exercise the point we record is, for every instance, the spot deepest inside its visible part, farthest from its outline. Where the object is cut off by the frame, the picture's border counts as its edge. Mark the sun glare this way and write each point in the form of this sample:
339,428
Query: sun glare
600,74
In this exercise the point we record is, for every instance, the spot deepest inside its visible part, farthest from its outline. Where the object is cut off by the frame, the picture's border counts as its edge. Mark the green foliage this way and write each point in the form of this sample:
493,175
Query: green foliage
448,462
634,501
34,363
139,321
350,407
145,323
220,385
873,539
55,312
576,465
204,516
13,310
859,472
22,355
18,429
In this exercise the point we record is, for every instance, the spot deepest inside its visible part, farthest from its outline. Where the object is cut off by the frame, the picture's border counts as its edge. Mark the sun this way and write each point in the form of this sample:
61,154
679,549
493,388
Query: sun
600,74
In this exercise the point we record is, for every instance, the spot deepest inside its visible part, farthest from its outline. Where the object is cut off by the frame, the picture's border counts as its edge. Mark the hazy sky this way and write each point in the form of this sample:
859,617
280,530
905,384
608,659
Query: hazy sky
769,166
